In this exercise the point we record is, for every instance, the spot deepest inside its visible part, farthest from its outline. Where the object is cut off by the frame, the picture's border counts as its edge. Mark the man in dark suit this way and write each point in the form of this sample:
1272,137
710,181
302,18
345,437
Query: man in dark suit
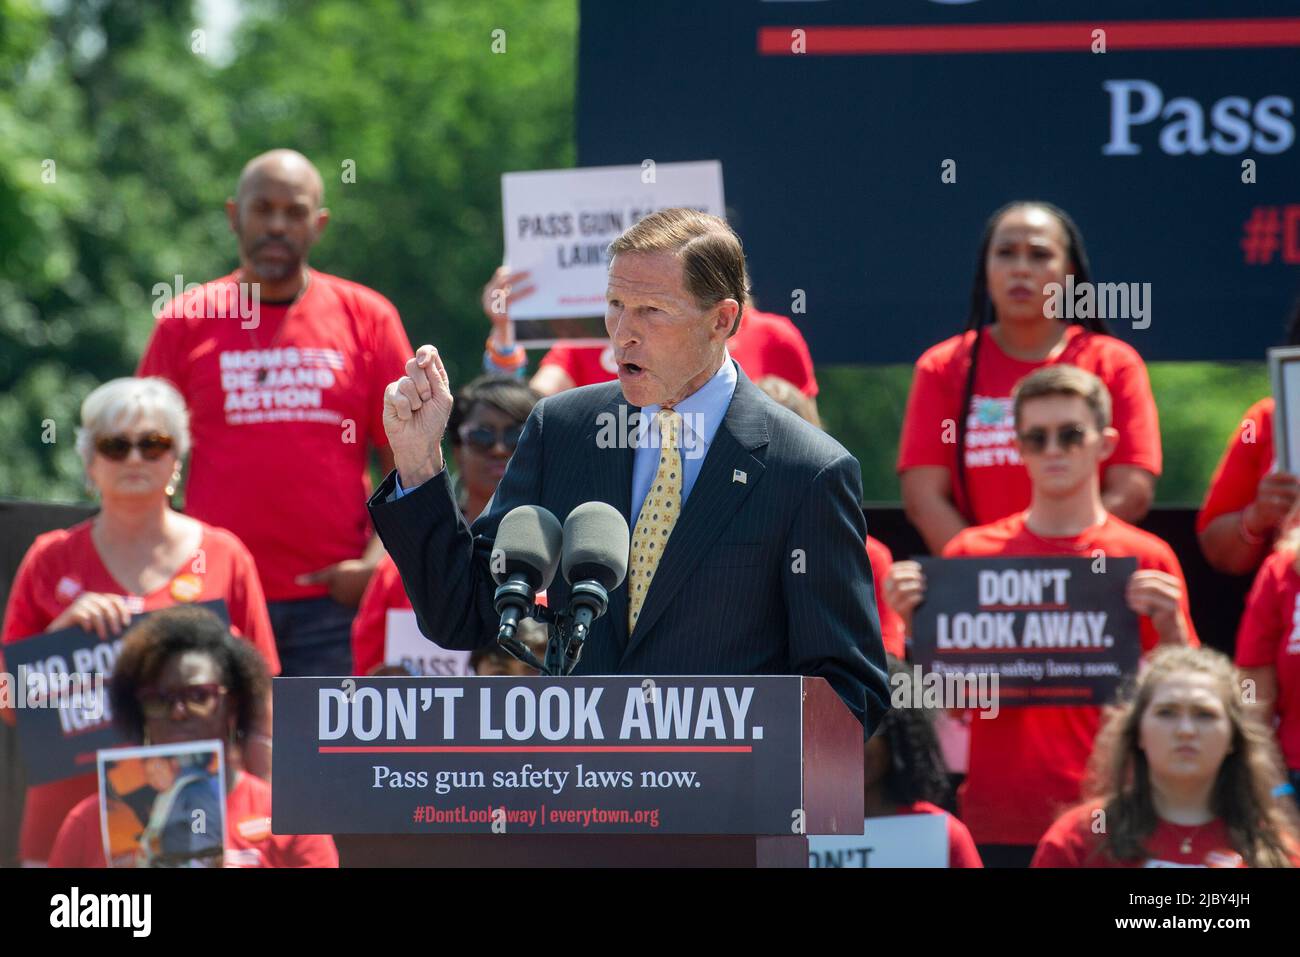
748,546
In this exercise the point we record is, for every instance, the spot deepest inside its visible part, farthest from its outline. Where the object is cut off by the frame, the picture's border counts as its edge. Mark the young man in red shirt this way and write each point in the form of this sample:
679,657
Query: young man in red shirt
1027,763
283,369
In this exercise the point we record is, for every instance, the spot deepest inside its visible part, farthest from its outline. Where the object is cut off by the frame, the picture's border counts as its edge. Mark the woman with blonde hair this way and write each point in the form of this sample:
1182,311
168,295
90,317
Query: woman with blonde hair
1182,775
136,555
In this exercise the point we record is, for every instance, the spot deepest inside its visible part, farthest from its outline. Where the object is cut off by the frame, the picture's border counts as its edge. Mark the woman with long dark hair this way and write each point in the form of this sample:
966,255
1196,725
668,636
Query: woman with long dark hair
956,458
1181,775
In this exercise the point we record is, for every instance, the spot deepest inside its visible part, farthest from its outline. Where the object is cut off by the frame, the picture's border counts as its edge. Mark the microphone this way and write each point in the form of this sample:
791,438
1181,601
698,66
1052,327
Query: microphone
596,542
524,558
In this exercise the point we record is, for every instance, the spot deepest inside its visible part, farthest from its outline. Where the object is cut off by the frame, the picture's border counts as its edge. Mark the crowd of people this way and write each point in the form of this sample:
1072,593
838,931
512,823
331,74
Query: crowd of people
1024,435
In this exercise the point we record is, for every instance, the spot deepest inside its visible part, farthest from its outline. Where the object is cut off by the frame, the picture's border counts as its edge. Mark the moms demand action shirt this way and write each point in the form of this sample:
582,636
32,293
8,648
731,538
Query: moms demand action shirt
282,416
1026,765
995,477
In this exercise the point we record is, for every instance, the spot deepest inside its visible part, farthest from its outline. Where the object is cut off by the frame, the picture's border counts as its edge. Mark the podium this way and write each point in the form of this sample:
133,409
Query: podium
643,771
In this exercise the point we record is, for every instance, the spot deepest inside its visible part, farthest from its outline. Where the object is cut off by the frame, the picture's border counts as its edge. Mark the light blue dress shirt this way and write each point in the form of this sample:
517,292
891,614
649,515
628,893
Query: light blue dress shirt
702,413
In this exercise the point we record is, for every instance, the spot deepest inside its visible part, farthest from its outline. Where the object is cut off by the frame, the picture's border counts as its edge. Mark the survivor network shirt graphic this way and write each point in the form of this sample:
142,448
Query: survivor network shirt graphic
995,477
283,415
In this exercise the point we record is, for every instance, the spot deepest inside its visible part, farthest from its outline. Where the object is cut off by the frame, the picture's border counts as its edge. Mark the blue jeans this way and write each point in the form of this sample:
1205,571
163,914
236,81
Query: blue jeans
313,636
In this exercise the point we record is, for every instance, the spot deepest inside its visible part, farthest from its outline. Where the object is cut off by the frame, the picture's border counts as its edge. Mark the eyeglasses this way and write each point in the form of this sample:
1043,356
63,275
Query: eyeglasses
200,701
152,446
485,439
1067,436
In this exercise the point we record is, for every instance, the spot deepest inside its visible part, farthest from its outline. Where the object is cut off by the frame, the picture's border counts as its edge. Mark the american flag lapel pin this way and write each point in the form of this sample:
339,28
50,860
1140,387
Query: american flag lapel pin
738,476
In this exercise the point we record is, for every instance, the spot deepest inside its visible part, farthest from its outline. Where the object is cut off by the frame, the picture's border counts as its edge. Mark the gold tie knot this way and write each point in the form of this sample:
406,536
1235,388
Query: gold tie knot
670,425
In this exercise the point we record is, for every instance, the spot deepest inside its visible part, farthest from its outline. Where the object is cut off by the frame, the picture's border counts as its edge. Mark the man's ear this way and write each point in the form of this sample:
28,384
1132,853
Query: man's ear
322,220
1109,441
728,312
232,215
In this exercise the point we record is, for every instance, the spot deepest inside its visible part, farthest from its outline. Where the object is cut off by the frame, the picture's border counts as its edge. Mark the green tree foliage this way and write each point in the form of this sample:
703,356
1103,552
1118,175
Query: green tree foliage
122,132
121,135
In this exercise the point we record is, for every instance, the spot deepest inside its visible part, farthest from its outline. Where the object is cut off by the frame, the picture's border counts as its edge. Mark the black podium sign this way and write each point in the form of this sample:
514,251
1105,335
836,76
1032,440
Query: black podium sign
613,755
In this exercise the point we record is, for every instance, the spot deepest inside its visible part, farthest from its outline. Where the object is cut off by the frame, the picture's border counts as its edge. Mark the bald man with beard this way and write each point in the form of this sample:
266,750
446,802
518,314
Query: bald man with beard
283,368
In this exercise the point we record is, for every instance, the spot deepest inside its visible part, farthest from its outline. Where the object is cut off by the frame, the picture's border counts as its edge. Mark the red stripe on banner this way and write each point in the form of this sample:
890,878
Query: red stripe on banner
529,749
1031,37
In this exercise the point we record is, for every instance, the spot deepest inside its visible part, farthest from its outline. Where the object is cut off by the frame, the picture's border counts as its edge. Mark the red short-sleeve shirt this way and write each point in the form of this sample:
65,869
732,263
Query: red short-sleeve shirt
961,846
1269,636
1246,460
891,625
249,841
283,414
1027,764
765,344
369,628
997,481
61,565
1074,841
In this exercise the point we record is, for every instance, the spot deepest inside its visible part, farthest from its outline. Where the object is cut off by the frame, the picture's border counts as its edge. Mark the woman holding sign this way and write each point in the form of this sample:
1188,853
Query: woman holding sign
1026,763
182,677
135,556
487,418
957,462
1181,776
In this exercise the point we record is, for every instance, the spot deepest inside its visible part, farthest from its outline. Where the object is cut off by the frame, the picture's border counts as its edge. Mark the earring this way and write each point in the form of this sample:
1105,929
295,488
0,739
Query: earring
170,489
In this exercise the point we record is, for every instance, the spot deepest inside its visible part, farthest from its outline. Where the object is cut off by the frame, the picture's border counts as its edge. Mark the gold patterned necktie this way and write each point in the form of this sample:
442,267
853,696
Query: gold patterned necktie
659,511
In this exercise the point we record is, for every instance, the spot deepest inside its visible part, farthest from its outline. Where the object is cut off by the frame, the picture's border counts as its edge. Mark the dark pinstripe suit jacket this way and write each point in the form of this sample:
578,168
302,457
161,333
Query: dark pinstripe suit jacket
768,576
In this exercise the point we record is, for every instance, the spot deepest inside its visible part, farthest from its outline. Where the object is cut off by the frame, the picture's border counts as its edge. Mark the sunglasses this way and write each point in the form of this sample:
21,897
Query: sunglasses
1067,436
485,439
200,701
152,446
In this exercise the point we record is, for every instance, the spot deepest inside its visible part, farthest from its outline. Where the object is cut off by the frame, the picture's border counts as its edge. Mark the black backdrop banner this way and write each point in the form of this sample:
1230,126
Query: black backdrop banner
834,121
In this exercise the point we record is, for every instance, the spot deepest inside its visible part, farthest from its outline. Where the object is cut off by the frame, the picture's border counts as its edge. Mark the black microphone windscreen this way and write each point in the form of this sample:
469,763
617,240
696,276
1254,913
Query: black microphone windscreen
596,541
528,540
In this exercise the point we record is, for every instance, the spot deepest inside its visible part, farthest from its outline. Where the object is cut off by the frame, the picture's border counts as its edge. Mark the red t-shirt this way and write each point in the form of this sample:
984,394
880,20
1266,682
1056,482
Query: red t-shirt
1072,842
1246,460
61,565
370,626
249,841
765,344
961,847
1028,763
283,416
1269,636
891,625
997,481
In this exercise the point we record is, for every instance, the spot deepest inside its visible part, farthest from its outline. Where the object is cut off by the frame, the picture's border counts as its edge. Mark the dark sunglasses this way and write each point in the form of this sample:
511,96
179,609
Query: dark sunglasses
485,439
1067,436
200,701
116,448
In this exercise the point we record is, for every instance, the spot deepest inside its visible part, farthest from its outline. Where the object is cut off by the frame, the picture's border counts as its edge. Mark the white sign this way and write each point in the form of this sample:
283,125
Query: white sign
904,840
559,223
1284,370
406,646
